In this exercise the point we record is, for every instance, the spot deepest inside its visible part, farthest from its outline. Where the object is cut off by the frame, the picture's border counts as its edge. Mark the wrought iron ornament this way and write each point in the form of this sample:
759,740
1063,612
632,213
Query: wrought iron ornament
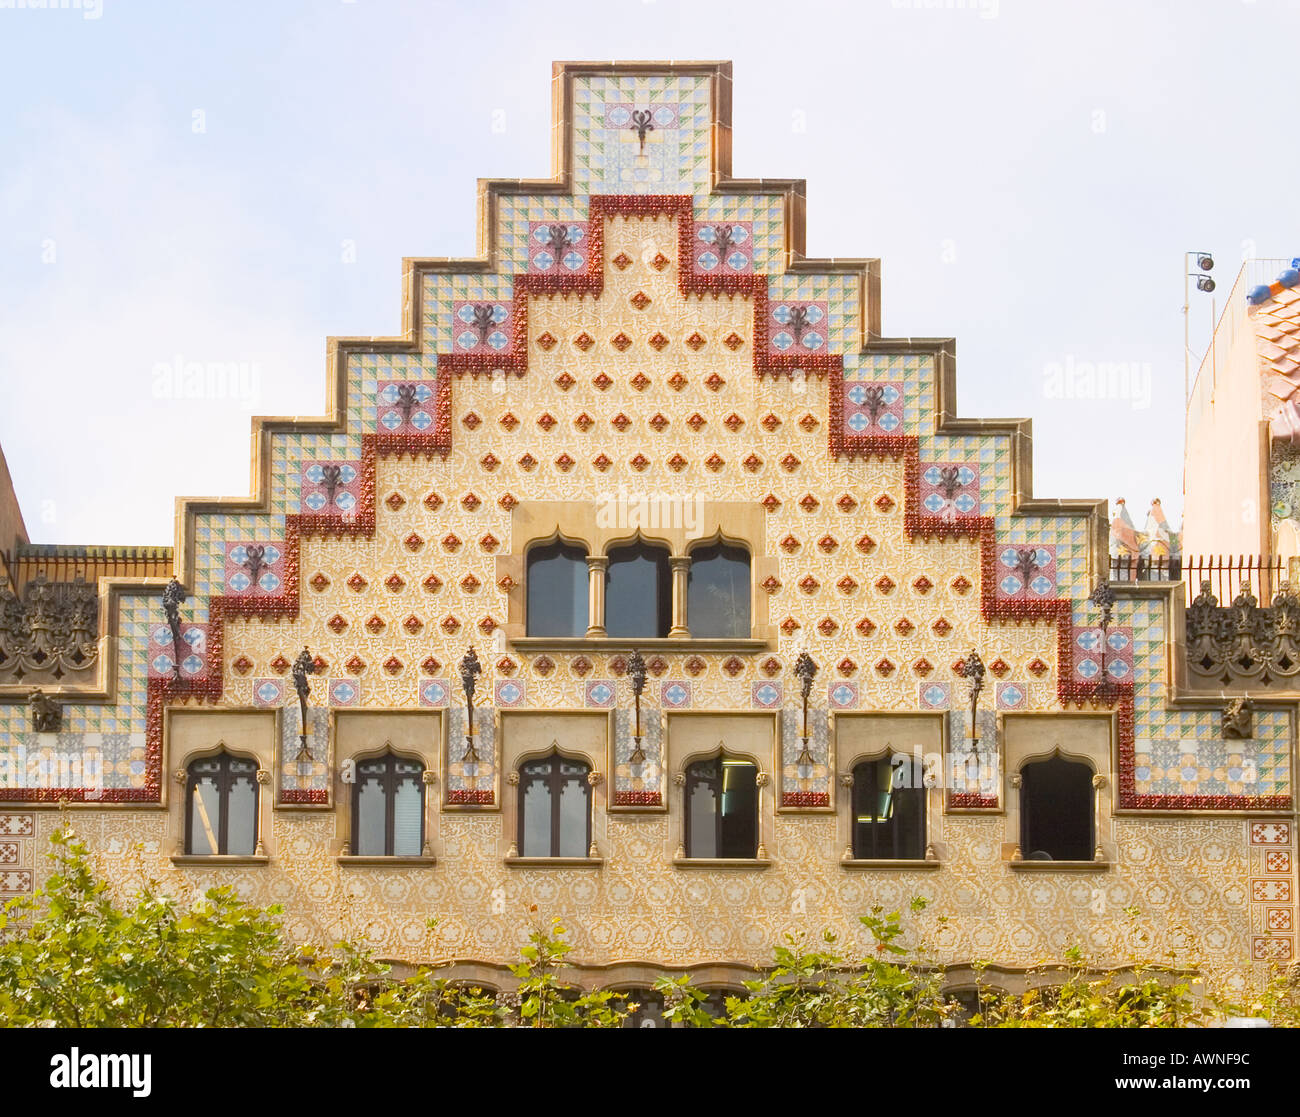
470,670
174,597
805,670
303,666
636,671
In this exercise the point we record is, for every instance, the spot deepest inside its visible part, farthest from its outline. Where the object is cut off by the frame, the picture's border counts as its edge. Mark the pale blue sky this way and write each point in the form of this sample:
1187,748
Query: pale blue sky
1030,174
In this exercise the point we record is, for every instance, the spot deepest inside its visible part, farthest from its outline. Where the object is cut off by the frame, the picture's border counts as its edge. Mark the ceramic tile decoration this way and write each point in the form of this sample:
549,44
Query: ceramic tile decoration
638,342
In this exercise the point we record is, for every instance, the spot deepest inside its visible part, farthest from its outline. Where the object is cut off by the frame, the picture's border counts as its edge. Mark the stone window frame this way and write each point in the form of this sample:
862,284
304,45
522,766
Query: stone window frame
738,523
515,751
344,751
1097,754
677,759
848,756
261,752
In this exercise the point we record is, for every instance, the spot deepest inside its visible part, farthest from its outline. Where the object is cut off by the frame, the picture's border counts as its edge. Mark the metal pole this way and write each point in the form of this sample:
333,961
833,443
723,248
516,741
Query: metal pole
1187,346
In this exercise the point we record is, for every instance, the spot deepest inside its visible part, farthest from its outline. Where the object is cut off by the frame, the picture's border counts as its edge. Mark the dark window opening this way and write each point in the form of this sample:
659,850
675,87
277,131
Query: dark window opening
889,809
388,808
554,808
722,808
638,591
715,1002
717,594
221,807
556,590
649,1010
1056,811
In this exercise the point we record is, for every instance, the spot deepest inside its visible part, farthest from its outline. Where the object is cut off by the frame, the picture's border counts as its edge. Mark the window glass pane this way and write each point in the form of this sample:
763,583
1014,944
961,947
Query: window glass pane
205,816
556,591
717,596
908,831
739,810
702,806
535,832
864,815
371,815
408,810
241,823
889,809
574,807
638,592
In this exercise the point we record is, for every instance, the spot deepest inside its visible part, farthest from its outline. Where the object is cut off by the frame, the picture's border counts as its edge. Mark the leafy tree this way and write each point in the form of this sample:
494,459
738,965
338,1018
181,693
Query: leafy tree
544,1001
69,956
825,989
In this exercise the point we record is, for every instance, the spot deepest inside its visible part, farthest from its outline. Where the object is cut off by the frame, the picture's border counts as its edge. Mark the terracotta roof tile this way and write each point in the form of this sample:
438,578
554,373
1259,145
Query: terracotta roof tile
1275,316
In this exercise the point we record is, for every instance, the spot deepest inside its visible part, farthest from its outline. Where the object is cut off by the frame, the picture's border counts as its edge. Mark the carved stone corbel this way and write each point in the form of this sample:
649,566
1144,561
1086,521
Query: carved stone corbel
1238,720
47,714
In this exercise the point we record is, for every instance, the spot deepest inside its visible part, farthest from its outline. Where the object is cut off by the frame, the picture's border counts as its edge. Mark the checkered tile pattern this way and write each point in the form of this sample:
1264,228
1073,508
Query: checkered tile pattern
608,157
1182,752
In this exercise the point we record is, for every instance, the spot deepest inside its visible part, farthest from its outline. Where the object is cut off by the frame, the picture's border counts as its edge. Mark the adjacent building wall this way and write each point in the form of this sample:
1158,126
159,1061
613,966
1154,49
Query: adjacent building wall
1226,509
12,529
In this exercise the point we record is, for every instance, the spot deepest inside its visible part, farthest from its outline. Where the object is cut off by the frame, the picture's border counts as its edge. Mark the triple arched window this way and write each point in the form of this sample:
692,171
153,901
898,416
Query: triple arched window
639,591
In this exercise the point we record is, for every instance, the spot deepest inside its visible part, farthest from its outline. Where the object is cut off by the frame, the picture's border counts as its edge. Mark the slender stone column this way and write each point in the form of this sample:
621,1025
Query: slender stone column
681,567
596,566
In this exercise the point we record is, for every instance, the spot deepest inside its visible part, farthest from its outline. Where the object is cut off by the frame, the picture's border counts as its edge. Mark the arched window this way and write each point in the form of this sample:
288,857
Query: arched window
388,808
556,590
889,809
554,808
638,591
221,806
1056,810
649,1011
717,595
722,808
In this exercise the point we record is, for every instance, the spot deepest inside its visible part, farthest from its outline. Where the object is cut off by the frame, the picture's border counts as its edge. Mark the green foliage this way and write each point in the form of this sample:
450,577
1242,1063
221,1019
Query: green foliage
1145,1000
71,956
547,1002
825,988
80,961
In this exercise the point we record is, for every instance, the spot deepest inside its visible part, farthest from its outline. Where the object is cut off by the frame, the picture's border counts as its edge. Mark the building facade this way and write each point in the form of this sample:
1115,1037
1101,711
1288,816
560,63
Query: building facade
765,633
1243,422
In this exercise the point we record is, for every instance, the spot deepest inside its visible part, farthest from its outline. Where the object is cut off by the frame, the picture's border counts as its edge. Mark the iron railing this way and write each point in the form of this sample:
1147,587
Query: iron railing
66,564
1225,573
